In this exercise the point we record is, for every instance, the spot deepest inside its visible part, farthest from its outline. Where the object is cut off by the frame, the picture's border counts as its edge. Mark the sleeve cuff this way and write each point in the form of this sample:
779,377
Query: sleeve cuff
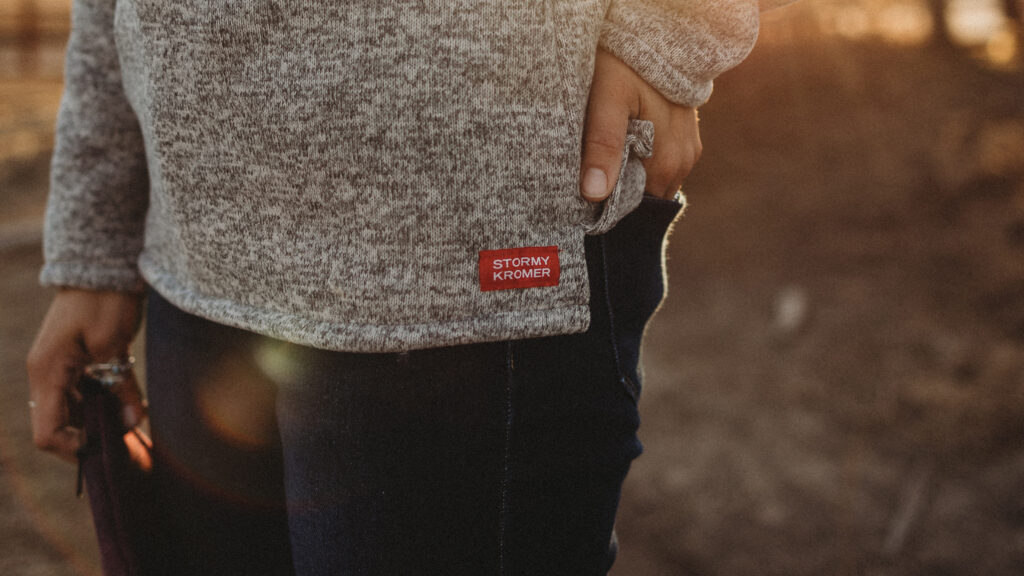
668,81
679,50
88,277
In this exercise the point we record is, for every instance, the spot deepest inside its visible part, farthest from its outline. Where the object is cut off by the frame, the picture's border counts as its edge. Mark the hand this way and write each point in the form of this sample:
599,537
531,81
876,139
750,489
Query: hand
617,95
80,328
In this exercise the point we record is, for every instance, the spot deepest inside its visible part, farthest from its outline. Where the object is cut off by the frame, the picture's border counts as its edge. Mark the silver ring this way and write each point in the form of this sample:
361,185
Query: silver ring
110,373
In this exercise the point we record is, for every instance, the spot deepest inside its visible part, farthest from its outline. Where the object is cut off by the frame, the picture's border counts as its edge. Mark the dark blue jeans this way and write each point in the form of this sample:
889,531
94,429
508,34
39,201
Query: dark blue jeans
503,458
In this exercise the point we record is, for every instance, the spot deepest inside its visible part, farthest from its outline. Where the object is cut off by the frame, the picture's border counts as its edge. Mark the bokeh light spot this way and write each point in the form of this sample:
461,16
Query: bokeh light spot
973,22
905,23
851,22
237,402
1002,47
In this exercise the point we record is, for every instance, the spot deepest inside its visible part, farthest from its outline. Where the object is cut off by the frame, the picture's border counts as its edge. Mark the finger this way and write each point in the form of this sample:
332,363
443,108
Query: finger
613,100
663,164
664,168
65,443
108,342
677,153
666,171
50,385
130,396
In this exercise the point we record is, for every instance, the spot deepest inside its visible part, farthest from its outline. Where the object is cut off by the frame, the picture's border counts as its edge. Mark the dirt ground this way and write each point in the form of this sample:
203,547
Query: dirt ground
836,382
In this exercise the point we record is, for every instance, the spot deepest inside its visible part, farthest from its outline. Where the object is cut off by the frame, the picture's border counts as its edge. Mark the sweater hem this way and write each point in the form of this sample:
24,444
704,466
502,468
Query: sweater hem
370,338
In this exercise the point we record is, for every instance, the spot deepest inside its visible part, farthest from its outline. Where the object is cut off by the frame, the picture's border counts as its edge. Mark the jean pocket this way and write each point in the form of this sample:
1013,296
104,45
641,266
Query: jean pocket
629,185
635,279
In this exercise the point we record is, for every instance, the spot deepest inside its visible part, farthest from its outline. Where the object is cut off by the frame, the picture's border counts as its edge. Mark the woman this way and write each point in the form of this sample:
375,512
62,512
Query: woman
443,219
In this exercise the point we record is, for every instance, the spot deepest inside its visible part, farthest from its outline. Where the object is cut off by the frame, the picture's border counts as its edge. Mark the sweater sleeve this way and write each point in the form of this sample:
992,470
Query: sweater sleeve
95,214
680,46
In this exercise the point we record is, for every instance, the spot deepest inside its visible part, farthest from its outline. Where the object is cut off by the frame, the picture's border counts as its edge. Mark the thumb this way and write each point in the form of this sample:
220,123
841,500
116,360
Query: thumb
604,136
614,99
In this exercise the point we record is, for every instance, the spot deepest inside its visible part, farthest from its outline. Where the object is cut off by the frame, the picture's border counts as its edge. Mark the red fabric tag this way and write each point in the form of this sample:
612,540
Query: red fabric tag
530,267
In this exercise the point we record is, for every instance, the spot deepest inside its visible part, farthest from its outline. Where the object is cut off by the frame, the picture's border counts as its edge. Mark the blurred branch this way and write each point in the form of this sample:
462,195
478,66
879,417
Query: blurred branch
28,34
912,504
1012,9
26,23
940,34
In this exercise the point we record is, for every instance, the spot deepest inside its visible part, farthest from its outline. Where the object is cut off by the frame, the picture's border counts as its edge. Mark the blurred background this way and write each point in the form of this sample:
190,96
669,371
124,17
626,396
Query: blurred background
836,382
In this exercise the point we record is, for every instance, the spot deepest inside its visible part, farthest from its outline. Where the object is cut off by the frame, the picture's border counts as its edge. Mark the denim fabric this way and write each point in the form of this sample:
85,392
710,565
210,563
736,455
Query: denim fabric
502,458
220,502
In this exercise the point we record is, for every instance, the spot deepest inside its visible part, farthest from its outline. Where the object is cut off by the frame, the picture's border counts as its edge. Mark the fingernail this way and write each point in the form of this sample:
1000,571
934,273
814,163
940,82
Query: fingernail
131,417
595,184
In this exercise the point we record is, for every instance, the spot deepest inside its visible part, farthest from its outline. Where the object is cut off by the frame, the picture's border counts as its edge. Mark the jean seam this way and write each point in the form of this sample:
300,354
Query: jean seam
632,386
506,461
611,321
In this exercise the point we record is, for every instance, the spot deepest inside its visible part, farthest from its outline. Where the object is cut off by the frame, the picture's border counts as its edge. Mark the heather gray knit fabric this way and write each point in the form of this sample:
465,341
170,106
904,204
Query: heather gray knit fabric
334,173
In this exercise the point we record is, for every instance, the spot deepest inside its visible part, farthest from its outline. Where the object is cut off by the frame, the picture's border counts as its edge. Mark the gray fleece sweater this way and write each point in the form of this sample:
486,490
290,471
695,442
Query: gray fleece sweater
358,175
